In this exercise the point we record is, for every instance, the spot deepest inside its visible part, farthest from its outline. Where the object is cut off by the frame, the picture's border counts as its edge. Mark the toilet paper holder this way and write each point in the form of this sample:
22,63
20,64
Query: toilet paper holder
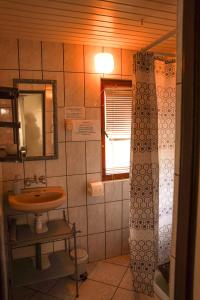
95,189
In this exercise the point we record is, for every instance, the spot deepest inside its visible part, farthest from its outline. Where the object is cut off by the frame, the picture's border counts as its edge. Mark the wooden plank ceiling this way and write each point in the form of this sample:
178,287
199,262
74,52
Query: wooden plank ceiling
130,24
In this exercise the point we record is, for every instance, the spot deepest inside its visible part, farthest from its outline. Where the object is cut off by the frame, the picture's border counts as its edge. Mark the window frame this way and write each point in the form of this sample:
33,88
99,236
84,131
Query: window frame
104,84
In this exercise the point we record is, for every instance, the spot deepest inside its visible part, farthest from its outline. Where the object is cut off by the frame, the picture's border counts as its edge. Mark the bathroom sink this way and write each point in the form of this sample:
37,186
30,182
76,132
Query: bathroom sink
37,200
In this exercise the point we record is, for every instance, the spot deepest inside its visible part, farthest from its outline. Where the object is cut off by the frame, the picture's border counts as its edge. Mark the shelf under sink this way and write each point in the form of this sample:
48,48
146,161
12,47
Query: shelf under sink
23,236
24,272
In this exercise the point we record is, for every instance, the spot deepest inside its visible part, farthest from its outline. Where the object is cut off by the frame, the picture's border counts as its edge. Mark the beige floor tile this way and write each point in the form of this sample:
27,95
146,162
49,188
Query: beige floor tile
122,294
123,260
90,267
90,290
65,288
22,293
108,273
127,281
44,286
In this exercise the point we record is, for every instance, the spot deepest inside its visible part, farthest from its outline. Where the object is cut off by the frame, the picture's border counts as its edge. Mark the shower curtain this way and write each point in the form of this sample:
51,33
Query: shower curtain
152,167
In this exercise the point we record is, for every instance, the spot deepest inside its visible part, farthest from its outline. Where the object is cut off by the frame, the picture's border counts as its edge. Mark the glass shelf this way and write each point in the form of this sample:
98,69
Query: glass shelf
24,272
21,235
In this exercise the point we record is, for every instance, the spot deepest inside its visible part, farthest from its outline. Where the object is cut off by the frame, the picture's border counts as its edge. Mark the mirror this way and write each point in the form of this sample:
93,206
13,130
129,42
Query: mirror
36,107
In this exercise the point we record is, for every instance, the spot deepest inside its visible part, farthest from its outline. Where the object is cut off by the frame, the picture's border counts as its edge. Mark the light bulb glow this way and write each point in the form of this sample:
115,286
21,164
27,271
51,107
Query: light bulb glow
4,111
104,63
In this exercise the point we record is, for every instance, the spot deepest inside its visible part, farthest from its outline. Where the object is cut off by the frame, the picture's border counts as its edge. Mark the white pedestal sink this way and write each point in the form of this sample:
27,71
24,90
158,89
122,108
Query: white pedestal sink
37,201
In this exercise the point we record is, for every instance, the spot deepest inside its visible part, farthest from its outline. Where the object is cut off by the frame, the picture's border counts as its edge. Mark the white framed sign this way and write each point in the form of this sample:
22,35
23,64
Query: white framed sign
86,130
75,113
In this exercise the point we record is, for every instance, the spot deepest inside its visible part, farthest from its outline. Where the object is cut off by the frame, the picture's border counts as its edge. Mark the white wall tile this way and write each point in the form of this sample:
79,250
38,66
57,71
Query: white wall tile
96,245
61,124
74,89
96,218
8,54
75,158
95,177
68,135
73,58
7,76
126,189
93,156
57,167
23,252
79,216
113,215
82,243
113,191
52,56
57,181
32,168
55,214
113,243
8,186
93,113
92,90
125,220
127,62
76,190
47,248
59,246
30,55
125,244
30,74
10,170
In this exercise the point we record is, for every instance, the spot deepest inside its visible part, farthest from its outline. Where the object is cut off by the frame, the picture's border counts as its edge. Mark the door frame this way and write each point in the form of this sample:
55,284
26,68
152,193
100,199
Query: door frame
189,154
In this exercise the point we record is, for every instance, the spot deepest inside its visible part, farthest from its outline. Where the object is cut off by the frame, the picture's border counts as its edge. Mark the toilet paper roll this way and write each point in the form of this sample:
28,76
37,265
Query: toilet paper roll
95,189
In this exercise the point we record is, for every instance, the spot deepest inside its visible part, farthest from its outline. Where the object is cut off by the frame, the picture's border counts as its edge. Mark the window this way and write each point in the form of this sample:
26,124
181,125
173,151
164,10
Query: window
116,112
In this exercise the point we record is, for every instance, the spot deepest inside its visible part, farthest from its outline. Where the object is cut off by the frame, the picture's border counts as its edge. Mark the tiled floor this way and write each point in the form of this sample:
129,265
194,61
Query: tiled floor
107,280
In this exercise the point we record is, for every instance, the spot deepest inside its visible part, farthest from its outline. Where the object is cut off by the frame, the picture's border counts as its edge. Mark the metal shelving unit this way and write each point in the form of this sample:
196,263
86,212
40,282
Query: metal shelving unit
23,271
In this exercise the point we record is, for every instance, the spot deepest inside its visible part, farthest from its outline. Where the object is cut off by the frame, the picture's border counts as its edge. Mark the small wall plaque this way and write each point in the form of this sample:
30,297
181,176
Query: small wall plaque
86,130
75,113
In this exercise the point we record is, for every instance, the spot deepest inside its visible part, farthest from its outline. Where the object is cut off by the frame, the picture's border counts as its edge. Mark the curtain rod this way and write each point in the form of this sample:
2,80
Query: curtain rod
159,54
165,54
160,40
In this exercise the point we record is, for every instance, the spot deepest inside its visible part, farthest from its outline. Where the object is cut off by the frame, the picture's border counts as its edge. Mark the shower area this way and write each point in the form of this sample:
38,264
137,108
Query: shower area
152,172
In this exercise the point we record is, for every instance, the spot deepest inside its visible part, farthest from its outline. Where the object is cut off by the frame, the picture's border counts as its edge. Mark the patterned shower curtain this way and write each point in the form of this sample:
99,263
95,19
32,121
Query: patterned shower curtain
165,75
152,163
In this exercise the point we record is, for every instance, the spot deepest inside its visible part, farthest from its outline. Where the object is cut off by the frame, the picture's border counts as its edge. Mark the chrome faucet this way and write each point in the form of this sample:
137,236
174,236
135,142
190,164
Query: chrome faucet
42,179
28,181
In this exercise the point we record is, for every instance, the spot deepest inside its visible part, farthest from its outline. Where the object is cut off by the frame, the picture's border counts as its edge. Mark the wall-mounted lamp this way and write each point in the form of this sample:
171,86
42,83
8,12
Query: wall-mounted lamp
4,111
104,63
